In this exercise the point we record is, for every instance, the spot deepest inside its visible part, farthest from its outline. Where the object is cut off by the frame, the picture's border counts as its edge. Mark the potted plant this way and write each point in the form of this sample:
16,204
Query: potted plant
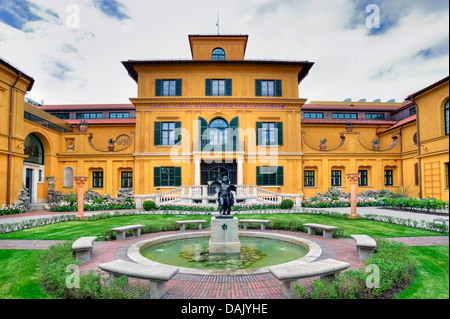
323,144
349,126
376,144
110,144
83,126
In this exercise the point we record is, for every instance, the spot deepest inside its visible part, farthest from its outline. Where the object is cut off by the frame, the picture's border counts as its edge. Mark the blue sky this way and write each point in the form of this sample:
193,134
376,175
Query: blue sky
73,48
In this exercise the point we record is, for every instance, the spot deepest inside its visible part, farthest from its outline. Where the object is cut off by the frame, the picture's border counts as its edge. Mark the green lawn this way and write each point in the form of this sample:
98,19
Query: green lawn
18,275
74,229
18,267
432,281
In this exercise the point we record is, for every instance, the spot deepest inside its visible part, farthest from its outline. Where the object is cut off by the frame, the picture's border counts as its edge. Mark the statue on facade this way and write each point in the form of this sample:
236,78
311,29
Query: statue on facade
225,197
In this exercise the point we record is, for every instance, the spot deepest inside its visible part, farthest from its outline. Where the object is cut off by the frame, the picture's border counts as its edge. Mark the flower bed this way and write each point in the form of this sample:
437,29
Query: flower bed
95,205
9,210
325,202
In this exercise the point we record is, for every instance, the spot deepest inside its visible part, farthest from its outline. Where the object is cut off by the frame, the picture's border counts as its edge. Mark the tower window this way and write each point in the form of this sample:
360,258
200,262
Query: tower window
218,54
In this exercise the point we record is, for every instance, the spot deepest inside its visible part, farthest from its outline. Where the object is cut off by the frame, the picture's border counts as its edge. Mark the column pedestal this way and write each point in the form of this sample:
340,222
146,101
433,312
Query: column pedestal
224,236
353,178
80,180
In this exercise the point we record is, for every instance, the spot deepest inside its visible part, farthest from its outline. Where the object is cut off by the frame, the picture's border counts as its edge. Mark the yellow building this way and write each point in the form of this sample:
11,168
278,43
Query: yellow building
217,114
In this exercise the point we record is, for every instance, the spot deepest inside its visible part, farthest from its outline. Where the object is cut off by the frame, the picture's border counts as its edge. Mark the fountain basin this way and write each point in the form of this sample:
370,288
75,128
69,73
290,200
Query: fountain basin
313,250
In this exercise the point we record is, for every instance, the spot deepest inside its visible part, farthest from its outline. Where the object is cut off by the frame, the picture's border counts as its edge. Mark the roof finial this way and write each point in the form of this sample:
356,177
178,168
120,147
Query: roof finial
218,24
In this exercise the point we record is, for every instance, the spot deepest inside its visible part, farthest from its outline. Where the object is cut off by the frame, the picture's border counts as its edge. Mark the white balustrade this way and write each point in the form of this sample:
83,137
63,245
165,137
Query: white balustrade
249,193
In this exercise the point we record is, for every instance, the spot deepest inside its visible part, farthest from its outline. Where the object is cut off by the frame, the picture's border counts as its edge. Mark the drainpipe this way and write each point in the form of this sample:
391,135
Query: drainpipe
8,168
419,152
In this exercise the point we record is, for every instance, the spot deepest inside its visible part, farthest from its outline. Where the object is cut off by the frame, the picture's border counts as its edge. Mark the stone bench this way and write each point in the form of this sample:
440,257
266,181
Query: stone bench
120,231
365,246
327,230
183,223
289,273
157,274
256,221
84,248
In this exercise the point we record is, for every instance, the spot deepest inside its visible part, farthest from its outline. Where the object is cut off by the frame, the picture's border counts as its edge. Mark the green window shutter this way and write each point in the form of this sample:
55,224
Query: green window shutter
157,133
178,87
158,88
157,176
280,132
234,136
202,139
177,177
278,89
228,87
258,131
177,132
280,179
259,177
208,87
258,87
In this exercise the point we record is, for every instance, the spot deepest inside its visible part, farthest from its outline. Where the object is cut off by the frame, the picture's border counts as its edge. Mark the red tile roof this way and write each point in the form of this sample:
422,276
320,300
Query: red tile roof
91,107
103,121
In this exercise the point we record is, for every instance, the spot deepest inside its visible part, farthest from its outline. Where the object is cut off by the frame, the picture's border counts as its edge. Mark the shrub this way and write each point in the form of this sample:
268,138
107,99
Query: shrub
53,275
395,267
149,205
286,204
98,201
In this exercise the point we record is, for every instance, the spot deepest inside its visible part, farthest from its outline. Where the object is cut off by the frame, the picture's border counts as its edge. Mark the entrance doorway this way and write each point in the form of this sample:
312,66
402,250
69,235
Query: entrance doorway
214,172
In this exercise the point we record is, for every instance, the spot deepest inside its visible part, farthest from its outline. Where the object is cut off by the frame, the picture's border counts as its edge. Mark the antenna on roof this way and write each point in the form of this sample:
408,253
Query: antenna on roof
218,24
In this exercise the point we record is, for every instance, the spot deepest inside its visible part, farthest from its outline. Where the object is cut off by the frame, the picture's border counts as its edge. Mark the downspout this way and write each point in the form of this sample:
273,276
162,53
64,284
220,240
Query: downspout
419,152
401,161
8,168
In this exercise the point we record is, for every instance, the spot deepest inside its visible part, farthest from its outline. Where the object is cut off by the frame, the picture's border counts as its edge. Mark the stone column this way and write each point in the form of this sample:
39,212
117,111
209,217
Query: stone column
197,172
240,171
353,178
80,180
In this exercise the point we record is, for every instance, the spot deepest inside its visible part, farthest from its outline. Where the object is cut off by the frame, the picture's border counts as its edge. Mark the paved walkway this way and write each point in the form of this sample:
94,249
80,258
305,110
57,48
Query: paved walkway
189,286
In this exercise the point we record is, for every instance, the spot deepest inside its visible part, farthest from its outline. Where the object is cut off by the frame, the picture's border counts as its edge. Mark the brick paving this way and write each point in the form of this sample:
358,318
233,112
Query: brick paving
251,286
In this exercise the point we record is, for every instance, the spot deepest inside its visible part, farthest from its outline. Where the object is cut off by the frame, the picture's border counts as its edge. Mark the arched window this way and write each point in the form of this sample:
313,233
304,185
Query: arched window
34,150
447,128
218,132
218,54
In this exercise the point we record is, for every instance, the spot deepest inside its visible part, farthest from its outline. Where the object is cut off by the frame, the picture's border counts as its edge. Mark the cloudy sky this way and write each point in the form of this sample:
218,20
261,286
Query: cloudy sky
370,49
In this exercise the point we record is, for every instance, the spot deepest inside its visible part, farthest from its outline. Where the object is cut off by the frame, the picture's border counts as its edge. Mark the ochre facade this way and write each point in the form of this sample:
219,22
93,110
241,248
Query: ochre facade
217,114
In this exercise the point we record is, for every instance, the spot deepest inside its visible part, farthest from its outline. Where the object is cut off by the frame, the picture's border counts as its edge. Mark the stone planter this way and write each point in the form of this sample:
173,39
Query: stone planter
83,128
376,147
323,147
110,147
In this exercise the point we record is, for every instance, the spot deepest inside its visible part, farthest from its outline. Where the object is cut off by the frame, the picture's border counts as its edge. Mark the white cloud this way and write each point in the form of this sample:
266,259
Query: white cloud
84,65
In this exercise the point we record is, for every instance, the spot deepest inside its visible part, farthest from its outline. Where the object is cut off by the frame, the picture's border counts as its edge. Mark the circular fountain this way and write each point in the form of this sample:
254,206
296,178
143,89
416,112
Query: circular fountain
224,250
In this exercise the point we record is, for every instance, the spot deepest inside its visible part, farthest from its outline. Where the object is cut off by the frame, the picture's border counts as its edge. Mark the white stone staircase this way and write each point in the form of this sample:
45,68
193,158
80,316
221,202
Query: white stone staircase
247,194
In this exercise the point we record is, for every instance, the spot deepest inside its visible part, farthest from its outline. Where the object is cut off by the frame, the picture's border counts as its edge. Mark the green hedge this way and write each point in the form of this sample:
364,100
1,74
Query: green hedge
403,202
396,270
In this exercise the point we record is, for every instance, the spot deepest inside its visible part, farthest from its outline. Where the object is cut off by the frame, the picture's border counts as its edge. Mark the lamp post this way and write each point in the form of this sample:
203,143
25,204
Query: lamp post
353,178
80,180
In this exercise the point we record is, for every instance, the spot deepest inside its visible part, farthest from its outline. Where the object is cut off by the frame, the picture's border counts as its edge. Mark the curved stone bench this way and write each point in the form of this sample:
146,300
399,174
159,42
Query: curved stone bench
157,274
183,223
120,231
84,247
327,230
365,246
263,222
289,273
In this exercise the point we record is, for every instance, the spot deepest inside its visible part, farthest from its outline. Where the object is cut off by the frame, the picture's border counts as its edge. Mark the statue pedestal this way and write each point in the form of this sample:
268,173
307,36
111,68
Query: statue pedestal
224,236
